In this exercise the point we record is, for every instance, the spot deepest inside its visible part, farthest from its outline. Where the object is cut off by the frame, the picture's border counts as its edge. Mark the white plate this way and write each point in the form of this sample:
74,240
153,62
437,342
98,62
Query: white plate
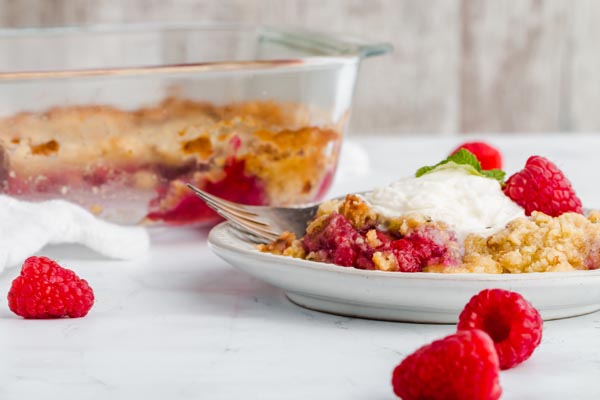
398,296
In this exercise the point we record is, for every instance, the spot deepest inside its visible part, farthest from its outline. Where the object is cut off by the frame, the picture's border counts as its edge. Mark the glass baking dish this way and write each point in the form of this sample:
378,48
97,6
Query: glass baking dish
119,119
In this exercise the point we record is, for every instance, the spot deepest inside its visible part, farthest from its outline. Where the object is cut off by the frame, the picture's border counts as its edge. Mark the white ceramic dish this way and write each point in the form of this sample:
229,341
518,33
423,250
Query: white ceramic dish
397,296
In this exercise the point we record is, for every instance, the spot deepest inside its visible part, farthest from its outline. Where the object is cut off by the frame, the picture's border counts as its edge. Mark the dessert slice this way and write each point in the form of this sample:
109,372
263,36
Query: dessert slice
451,217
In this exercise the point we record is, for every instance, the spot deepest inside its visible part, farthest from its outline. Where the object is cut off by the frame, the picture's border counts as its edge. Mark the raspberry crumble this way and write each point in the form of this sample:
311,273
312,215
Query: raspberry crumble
133,166
454,217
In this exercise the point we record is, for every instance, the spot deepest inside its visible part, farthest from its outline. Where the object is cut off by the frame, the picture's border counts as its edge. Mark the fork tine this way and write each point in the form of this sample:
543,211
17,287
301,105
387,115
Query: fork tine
219,202
252,217
252,229
247,235
263,229
236,215
216,203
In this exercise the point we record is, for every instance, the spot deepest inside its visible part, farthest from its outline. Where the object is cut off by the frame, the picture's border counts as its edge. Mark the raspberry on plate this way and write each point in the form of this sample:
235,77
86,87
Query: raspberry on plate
488,156
44,289
461,366
512,322
541,186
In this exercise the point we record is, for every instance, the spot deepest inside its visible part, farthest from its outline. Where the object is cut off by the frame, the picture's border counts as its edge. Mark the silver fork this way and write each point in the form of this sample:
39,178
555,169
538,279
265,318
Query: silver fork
260,223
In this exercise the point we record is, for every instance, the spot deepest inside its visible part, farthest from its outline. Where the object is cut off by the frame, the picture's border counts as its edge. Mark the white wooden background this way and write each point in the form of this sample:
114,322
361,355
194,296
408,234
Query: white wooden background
458,66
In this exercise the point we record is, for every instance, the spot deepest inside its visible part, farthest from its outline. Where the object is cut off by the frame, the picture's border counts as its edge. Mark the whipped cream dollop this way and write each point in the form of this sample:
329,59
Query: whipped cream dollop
26,227
467,203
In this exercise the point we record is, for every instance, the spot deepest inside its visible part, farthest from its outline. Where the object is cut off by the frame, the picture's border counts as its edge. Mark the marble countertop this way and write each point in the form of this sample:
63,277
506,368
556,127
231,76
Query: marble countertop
182,324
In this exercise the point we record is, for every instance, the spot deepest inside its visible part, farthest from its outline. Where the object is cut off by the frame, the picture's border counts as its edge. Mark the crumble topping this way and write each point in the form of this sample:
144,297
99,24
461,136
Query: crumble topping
538,243
257,152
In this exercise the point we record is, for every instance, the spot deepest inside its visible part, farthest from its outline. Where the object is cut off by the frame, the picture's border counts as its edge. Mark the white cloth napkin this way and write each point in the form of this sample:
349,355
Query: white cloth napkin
25,228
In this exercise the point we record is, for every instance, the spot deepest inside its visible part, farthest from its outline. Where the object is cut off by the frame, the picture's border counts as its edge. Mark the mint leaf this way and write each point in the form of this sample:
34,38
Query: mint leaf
496,174
461,157
466,160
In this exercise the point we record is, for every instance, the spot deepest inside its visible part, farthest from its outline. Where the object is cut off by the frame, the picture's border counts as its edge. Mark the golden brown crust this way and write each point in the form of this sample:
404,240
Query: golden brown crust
275,157
277,142
44,149
536,244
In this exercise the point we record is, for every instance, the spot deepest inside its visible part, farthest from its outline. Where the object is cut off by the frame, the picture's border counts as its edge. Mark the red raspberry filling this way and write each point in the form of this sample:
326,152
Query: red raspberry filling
338,242
425,246
235,186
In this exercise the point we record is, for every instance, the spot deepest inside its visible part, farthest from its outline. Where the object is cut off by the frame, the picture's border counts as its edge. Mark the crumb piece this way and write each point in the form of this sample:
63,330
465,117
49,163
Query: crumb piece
385,261
317,224
372,239
286,245
360,215
96,209
594,216
200,146
45,149
328,207
407,223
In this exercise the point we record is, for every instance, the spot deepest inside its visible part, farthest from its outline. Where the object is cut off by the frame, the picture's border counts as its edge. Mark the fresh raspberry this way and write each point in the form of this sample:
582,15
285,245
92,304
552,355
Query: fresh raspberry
541,186
489,157
463,366
44,289
512,322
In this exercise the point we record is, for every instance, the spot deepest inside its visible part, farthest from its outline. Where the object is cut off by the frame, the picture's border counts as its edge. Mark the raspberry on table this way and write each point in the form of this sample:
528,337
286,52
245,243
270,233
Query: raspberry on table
512,322
488,156
463,366
44,289
541,186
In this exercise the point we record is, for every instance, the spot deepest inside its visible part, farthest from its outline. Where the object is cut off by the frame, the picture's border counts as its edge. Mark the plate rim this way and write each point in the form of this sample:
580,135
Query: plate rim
217,243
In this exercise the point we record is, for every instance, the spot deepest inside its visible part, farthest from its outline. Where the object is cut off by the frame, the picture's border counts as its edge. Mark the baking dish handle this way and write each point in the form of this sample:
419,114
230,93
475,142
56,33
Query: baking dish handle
366,50
324,44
